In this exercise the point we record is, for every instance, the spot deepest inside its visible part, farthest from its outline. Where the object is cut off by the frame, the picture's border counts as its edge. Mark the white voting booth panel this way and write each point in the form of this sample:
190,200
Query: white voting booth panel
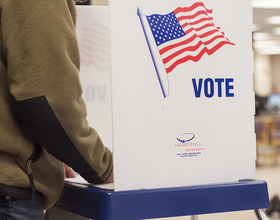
175,102
94,44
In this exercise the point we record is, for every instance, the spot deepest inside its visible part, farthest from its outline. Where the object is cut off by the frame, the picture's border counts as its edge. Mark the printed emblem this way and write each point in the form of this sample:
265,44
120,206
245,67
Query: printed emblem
185,34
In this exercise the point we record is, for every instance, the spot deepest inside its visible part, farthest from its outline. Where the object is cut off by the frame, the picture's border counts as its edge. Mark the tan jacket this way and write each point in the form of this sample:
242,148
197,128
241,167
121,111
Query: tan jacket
40,99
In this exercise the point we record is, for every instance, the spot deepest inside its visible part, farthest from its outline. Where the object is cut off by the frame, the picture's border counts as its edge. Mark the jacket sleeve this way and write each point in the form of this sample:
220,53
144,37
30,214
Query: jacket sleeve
41,50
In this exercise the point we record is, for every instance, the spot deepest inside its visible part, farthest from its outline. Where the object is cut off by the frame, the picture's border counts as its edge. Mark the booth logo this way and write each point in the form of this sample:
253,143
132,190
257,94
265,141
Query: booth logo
186,140
185,34
186,147
183,138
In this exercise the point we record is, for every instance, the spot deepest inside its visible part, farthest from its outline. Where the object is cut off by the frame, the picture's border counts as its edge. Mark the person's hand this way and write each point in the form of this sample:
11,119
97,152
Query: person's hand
68,172
110,178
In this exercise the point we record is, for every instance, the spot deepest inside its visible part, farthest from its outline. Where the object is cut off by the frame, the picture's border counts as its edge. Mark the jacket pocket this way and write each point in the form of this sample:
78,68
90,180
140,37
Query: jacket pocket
35,156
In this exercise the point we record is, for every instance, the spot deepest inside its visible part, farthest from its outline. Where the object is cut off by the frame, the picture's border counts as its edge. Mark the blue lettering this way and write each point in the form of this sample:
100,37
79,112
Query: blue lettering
219,82
209,91
209,87
197,90
229,87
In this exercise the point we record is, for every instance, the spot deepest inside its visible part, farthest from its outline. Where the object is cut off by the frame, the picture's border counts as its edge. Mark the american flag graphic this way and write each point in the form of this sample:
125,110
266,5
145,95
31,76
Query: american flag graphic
185,34
94,46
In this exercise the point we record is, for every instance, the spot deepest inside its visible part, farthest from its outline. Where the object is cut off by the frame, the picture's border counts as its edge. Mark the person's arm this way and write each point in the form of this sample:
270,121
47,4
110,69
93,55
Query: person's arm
43,74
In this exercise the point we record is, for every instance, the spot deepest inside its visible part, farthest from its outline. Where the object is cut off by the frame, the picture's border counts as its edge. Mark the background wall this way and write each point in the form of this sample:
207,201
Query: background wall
267,74
275,73
262,75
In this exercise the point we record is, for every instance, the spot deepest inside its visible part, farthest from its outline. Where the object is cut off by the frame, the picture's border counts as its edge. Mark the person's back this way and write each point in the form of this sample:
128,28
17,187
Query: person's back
42,112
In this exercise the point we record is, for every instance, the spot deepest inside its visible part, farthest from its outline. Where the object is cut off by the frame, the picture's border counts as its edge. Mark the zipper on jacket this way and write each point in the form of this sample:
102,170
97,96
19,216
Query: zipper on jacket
30,176
35,156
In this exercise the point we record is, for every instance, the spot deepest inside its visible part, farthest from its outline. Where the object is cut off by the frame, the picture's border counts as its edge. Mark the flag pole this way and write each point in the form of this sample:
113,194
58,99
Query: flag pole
159,66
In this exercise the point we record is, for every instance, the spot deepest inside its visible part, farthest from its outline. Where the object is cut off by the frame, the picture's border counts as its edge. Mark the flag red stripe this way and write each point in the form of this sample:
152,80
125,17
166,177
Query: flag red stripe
189,30
197,29
185,59
200,33
94,44
208,33
195,5
96,26
192,48
185,49
97,31
215,38
204,26
185,42
183,25
217,47
197,57
102,50
180,18
189,40
199,21
95,37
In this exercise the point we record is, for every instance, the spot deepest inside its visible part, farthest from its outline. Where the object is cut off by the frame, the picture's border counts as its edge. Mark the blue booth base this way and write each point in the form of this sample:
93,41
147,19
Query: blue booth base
102,204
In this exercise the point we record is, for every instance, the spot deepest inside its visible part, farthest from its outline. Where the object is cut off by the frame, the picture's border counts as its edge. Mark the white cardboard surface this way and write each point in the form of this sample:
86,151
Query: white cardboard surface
147,153
94,43
145,128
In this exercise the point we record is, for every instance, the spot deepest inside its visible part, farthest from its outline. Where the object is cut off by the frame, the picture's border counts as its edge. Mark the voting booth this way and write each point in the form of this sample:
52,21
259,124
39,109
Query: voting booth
169,88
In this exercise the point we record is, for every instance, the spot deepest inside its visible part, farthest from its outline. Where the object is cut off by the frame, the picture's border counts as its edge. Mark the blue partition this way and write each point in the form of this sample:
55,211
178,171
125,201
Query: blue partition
102,204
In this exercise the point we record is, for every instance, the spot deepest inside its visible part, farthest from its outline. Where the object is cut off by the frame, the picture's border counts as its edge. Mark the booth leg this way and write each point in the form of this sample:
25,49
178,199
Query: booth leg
261,214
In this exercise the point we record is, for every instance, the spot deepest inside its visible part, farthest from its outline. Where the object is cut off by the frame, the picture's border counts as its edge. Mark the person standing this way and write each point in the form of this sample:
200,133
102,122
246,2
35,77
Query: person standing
43,115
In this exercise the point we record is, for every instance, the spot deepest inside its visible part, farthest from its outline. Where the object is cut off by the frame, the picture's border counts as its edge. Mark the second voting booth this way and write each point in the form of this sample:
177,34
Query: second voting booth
169,88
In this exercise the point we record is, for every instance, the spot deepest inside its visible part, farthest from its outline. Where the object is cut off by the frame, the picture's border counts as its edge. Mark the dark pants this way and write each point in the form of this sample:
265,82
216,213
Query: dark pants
20,209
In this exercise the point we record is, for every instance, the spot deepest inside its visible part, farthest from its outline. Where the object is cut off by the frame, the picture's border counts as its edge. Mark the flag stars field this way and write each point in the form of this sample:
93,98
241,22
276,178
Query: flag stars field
165,27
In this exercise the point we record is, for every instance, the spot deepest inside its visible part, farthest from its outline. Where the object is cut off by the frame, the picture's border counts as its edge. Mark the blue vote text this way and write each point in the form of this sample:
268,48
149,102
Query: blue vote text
220,87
